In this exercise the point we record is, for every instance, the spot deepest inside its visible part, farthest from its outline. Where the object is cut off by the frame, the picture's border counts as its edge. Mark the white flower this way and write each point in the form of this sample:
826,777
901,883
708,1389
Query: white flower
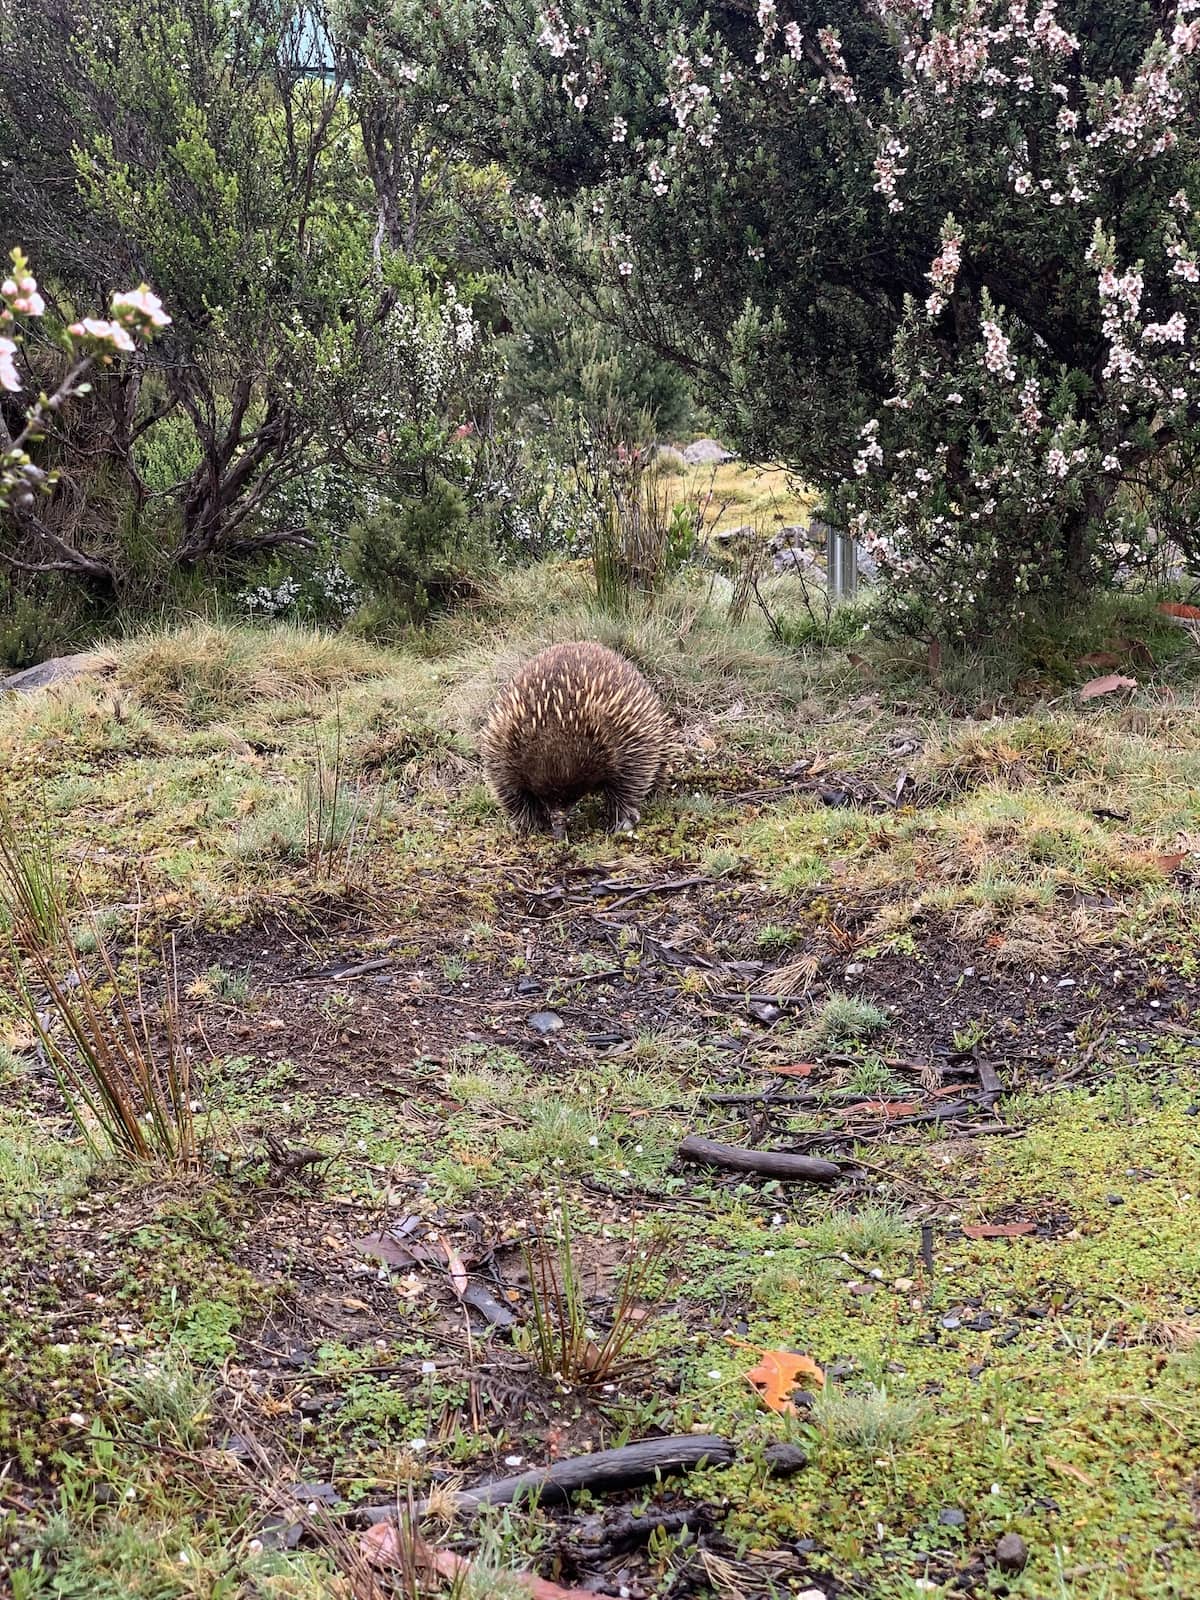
625,268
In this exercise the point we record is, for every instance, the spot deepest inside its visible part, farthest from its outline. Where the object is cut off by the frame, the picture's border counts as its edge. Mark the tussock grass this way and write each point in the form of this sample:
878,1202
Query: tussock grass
868,1420
207,670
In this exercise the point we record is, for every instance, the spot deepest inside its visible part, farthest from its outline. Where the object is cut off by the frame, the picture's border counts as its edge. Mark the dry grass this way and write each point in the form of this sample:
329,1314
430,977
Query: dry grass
740,494
206,670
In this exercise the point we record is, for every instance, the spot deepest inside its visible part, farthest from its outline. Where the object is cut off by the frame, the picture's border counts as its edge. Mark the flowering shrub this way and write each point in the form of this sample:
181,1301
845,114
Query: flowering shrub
136,314
942,259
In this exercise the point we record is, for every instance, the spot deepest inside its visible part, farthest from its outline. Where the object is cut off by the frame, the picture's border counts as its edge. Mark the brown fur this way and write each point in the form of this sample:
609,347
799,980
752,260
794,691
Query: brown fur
577,719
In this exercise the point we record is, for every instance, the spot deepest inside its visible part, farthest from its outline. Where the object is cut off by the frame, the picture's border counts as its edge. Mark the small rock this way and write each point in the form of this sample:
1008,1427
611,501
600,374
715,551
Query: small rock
1011,1553
951,1323
546,1022
738,535
764,1011
1115,1199
952,1517
804,1547
784,1459
811,1594
323,1493
528,986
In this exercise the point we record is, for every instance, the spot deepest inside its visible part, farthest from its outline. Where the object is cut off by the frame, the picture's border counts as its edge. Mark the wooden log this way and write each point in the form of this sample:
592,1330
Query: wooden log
604,1470
770,1163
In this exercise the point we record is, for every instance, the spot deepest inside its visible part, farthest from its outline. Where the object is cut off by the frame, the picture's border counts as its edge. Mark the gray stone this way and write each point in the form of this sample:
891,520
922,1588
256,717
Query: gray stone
545,1022
1011,1552
58,669
952,1517
734,535
707,452
784,1459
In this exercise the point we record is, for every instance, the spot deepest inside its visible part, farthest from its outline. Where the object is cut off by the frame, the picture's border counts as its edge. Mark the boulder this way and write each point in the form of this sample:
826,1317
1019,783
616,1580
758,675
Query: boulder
59,669
667,459
707,452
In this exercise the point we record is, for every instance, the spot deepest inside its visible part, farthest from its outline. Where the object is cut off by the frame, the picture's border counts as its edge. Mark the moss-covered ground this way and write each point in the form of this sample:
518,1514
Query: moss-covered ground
940,933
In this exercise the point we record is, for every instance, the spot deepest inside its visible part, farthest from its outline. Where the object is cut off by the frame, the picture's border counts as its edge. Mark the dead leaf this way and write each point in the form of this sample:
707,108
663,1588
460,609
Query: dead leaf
1106,685
795,1069
778,1373
385,1546
887,1108
1176,608
1069,1471
1100,658
998,1230
1172,862
457,1270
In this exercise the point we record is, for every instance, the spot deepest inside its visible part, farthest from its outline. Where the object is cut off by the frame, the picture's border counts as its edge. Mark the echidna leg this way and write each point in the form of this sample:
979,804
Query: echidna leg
528,813
622,808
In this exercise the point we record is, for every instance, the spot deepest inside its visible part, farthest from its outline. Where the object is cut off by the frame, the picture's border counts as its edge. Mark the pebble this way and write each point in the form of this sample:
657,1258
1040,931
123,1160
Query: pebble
784,1459
545,1022
1011,1553
952,1517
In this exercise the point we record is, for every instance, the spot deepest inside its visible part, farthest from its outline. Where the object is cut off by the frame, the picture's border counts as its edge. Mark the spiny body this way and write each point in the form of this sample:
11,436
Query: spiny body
576,719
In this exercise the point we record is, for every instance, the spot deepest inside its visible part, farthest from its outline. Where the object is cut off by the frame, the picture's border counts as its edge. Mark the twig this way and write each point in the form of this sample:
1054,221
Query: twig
600,1472
770,1163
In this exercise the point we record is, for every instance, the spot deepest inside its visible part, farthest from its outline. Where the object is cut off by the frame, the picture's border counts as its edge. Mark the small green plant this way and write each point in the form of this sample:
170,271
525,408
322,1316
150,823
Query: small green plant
869,1234
845,1020
869,1419
560,1339
339,821
170,1400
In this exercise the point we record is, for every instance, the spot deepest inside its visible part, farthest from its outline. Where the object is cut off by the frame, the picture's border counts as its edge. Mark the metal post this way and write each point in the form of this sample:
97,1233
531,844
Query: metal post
841,564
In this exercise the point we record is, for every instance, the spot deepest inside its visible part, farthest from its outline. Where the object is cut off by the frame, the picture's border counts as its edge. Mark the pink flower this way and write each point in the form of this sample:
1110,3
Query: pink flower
140,305
104,332
9,378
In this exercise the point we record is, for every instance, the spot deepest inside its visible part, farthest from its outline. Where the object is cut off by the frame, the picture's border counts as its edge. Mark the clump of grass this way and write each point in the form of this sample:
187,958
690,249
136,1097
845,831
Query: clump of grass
555,1132
560,1339
871,1233
219,983
204,671
171,1400
115,1073
845,1020
869,1419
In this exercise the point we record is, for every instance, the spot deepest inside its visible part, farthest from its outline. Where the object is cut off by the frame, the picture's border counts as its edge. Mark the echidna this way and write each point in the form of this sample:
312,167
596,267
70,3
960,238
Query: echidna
577,719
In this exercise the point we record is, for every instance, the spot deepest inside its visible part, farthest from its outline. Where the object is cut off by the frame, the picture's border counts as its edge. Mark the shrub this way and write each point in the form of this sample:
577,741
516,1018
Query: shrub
944,261
413,561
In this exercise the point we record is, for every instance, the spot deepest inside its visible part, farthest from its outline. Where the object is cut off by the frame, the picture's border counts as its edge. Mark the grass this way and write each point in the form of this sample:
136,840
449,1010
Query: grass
212,1338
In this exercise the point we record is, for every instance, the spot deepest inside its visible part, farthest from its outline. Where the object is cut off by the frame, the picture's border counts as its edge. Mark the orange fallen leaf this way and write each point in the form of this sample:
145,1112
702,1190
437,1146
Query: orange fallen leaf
1110,682
887,1108
998,1230
778,1373
798,1069
1176,608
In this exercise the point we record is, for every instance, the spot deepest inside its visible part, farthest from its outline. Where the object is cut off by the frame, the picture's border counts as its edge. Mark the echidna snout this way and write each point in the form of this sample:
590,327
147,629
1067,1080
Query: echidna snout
576,719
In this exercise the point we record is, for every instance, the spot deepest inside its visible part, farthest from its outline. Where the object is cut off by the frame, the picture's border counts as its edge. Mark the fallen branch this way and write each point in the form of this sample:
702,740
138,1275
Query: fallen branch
770,1163
604,1470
